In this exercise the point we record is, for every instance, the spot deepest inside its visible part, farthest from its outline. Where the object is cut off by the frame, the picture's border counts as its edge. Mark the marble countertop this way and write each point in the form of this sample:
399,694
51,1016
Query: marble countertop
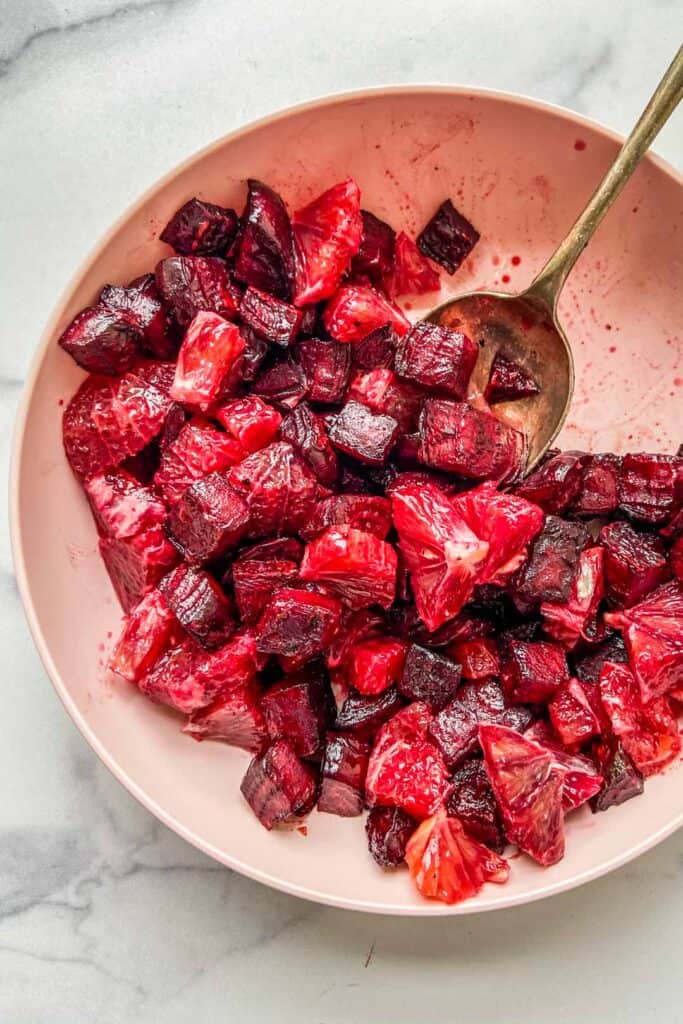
105,915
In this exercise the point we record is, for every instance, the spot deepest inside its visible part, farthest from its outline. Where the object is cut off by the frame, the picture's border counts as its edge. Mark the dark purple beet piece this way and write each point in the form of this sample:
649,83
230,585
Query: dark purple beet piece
429,677
209,519
201,229
298,625
176,417
200,606
474,804
588,665
284,384
556,484
508,381
622,780
599,493
363,434
437,358
270,318
278,487
533,672
634,563
448,238
388,830
263,253
344,767
375,258
377,350
361,511
298,709
254,582
141,305
289,548
648,486
248,366
455,732
305,432
459,439
364,715
190,284
326,366
102,341
550,568
279,787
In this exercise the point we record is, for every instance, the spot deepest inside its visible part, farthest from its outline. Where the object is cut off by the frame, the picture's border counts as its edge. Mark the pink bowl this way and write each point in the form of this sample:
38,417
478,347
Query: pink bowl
520,170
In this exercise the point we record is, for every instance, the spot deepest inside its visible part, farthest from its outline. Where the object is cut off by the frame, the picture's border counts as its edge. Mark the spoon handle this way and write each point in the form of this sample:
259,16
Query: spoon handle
548,283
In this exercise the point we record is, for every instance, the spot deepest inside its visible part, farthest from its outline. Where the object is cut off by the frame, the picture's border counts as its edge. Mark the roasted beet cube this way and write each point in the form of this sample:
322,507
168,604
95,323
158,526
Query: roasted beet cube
375,664
533,672
200,606
648,732
599,493
200,229
508,381
307,435
388,830
647,486
210,348
288,548
411,273
102,341
263,256
575,619
356,310
552,564
176,418
279,489
360,511
279,787
437,358
298,624
269,318
194,284
459,439
250,363
365,435
377,350
146,634
344,766
454,730
478,658
209,519
284,383
375,257
136,564
571,714
448,238
635,563
198,449
121,506
141,306
255,580
555,484
382,391
588,662
364,715
233,717
473,803
622,780
326,366
429,677
653,632
327,234
359,567
298,708
252,422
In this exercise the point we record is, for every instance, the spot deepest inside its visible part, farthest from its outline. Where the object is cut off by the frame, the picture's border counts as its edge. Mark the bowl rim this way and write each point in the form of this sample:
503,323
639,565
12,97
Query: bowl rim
426,909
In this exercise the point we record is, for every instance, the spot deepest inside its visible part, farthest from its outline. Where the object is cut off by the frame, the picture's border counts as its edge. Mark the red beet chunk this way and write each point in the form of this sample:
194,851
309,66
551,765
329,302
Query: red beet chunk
211,346
233,717
254,582
252,422
344,767
508,381
478,657
635,563
298,624
196,284
327,234
411,273
283,383
200,606
648,732
459,439
198,450
263,256
622,780
121,506
676,558
359,567
381,391
575,619
533,672
376,664
141,306
102,341
279,787
356,310
298,709
250,363
599,493
555,484
438,358
429,677
146,634
571,714
279,489
209,519
588,663
359,511
107,420
375,257
552,564
653,632
282,548
647,486
200,229
307,435
269,318
454,731
448,238
176,418
326,366
363,434
136,564
377,350
364,715
473,803
388,830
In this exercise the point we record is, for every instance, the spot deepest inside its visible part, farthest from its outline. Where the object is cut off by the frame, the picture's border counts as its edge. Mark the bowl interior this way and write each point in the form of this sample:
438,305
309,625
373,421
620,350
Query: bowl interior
515,169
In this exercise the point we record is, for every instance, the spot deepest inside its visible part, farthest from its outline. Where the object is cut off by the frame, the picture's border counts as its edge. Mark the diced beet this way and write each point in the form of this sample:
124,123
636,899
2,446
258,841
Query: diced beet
454,730
344,767
555,484
648,732
429,677
375,257
280,548
327,234
269,318
647,486
200,606
571,714
200,229
508,381
411,273
376,664
121,506
209,519
176,418
388,830
211,346
233,717
326,366
437,358
311,320
599,493
248,366
284,383
356,310
305,431
147,632
360,511
533,672
198,449
448,238
473,803
478,658
622,780
298,624
263,253
279,787
377,350
459,439
363,434
382,391
195,284
358,566
552,564
136,564
252,422
588,663
635,563
141,306
254,582
109,419
279,489
364,715
575,619
102,341
653,632
298,708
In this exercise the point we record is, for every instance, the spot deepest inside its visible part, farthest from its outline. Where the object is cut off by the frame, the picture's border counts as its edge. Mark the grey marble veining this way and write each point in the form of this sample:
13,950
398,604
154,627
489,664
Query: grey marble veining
104,915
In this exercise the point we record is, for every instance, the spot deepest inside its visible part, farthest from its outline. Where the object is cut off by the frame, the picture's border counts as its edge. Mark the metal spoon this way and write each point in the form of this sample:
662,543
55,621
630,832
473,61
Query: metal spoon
525,327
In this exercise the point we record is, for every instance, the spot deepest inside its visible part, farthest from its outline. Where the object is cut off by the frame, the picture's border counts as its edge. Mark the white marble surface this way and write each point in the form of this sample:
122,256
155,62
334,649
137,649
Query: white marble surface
104,915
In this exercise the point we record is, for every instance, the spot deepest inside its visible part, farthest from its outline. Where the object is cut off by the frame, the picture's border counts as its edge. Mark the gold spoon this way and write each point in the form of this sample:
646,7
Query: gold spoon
525,327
